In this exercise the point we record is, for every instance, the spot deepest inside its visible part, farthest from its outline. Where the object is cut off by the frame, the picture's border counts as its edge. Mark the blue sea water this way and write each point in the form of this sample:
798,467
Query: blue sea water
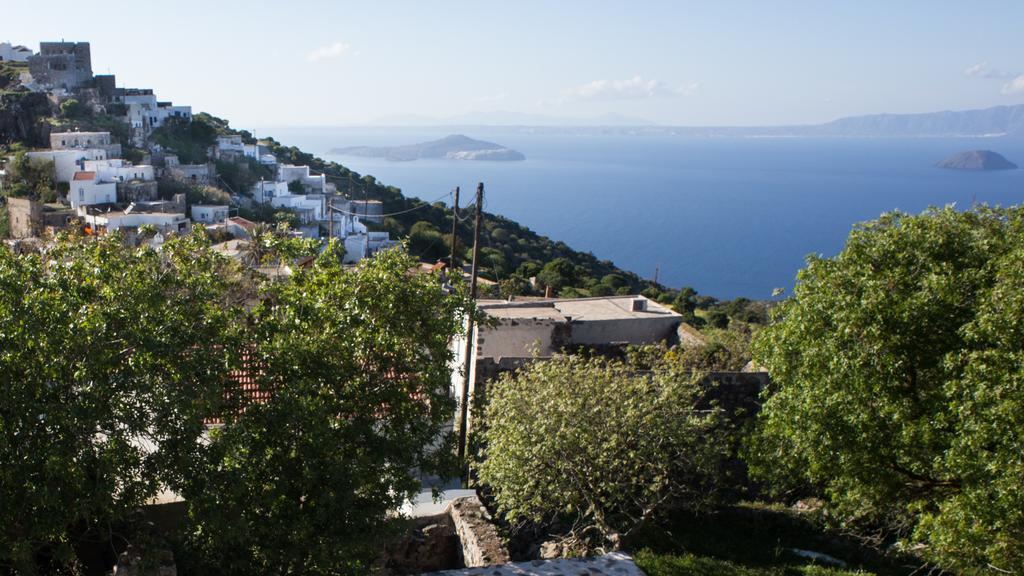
727,216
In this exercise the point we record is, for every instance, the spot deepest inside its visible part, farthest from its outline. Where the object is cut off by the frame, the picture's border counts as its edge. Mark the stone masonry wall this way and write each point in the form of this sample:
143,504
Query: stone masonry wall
481,545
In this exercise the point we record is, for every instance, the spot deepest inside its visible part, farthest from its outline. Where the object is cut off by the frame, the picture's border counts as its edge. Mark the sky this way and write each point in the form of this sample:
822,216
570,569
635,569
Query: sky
721,63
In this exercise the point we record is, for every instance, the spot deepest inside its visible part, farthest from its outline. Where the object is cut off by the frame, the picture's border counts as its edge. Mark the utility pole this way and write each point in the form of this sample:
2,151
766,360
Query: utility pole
455,228
470,349
330,221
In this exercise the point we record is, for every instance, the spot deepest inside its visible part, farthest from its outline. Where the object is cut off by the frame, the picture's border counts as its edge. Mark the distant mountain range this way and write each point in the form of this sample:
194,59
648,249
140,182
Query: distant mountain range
995,121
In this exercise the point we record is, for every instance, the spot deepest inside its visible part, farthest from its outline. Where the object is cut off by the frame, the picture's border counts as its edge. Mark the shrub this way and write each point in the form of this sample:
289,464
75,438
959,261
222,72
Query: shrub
594,443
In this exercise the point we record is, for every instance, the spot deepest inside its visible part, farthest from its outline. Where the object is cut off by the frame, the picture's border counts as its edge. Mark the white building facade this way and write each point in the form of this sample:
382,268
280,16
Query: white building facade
209,213
86,190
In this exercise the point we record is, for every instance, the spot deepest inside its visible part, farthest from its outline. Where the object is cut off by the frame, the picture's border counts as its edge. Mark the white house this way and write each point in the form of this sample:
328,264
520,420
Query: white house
209,213
118,170
9,53
230,143
260,153
311,207
264,190
86,190
167,110
130,220
359,246
145,113
311,183
67,162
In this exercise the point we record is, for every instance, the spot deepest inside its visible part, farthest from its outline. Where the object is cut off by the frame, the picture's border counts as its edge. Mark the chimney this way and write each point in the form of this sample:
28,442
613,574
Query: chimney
639,305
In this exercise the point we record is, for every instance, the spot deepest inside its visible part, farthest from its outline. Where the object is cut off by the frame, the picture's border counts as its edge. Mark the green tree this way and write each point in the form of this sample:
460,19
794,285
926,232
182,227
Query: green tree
261,247
28,178
358,366
557,274
103,383
426,242
72,109
594,443
899,392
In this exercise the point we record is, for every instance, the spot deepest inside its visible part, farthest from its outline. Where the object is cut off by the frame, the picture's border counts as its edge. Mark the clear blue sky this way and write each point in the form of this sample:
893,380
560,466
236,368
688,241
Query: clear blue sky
319,62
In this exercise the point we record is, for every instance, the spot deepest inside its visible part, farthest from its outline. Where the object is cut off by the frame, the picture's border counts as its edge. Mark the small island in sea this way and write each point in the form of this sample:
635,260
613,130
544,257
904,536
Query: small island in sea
977,160
454,147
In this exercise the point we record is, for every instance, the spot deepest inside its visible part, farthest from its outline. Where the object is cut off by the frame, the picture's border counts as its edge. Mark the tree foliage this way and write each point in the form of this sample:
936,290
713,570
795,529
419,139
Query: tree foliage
899,387
188,139
72,109
30,178
104,384
596,443
112,358
358,365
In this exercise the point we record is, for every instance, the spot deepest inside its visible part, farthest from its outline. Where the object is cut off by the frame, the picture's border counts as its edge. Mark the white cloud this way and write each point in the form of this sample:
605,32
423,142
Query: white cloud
635,88
336,50
1015,86
982,70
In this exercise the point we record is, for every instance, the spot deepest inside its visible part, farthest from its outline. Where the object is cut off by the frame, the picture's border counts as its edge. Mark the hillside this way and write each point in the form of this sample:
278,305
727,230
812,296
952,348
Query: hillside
514,259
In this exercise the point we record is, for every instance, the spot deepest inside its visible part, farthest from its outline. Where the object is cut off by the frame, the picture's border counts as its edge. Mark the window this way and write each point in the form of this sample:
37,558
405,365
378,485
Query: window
81,193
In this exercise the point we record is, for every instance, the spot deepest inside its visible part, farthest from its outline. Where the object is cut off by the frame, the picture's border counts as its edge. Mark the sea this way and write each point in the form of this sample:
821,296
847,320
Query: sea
728,216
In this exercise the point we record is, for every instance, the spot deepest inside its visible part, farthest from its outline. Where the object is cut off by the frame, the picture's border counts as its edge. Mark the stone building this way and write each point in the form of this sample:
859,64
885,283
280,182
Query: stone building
85,141
193,173
65,65
138,191
31,219
517,333
367,210
25,216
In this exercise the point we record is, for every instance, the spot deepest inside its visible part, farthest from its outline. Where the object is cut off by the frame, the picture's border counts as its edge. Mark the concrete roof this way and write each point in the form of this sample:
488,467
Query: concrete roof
523,311
611,308
579,309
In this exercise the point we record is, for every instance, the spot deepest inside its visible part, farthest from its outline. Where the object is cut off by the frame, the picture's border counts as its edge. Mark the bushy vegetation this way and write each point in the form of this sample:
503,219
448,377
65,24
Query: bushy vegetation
105,349
898,385
28,178
138,348
189,140
598,446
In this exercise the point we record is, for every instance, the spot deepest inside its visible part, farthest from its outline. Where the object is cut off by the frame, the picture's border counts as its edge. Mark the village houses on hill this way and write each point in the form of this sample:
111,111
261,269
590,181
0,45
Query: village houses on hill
101,191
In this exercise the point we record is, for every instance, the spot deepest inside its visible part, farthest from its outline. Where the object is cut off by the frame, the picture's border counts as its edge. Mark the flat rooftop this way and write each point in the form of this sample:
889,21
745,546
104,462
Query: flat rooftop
579,309
612,308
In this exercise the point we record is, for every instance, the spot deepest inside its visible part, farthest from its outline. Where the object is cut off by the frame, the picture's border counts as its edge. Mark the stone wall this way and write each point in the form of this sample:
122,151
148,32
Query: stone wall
430,545
480,543
137,191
